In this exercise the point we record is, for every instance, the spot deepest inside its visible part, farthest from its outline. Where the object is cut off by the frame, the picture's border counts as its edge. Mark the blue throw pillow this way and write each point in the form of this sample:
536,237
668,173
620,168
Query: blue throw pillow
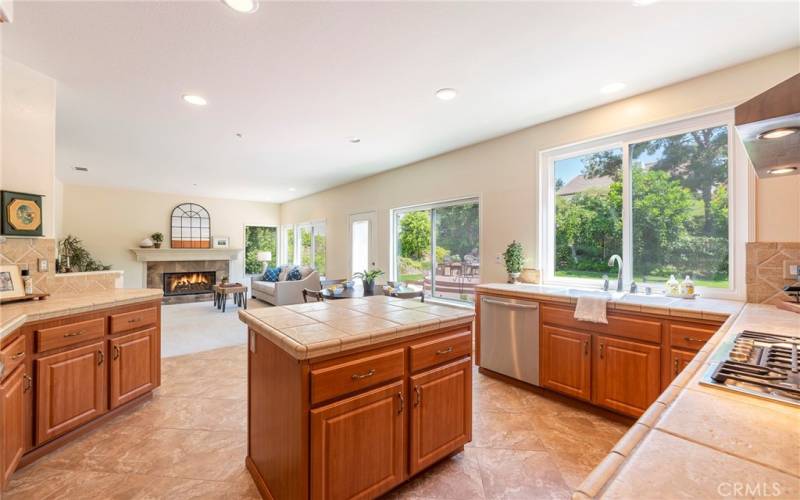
294,274
272,273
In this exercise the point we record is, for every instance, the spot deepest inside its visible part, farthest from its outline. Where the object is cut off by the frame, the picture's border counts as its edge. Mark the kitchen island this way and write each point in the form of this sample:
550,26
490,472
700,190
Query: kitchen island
349,398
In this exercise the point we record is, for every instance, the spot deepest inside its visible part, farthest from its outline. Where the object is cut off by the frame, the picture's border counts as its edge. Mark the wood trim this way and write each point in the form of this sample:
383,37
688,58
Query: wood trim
261,486
782,99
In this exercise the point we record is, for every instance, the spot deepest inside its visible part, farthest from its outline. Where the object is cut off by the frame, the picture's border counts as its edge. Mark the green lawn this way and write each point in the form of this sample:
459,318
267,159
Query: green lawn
650,279
411,278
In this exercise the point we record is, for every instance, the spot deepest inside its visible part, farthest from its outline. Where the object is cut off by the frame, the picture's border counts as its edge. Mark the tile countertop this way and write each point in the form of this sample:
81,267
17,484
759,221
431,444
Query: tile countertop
321,328
15,314
699,308
697,441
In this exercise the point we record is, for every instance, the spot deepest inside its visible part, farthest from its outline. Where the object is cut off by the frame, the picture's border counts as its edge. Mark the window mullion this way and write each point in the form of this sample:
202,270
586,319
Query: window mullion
627,215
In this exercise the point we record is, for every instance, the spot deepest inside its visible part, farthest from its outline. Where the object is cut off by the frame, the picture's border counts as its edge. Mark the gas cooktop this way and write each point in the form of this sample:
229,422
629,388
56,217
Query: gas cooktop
760,364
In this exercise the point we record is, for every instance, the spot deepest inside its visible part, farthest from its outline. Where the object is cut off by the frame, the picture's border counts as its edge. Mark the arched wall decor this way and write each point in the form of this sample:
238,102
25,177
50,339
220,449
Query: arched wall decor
191,226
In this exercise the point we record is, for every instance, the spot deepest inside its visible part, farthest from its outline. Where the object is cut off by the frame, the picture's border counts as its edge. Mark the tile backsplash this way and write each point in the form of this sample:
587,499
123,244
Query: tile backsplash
765,266
26,252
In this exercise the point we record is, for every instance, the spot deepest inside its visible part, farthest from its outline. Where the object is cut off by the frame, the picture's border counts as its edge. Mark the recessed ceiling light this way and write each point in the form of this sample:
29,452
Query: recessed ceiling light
777,133
243,6
782,170
195,99
354,140
612,87
80,169
447,94
292,189
239,135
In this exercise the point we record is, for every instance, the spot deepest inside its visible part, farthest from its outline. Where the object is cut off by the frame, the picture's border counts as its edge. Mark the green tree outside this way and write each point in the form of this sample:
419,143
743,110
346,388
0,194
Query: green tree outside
259,239
415,234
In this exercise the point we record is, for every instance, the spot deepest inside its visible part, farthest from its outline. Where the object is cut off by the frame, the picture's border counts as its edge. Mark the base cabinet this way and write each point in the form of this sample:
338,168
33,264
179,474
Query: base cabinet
627,377
134,369
70,390
13,414
566,362
678,360
357,444
441,404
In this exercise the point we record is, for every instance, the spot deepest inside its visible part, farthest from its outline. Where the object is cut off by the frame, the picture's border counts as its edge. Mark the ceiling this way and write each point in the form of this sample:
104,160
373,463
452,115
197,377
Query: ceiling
298,79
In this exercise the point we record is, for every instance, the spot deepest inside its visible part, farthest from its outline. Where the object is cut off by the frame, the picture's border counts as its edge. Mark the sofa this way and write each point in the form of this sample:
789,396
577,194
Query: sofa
284,292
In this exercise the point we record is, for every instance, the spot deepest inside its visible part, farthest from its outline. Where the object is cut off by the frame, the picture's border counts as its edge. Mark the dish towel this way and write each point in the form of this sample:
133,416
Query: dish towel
591,309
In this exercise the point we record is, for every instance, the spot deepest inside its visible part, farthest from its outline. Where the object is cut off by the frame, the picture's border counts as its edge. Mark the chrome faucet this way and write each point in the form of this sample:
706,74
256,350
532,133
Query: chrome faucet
618,259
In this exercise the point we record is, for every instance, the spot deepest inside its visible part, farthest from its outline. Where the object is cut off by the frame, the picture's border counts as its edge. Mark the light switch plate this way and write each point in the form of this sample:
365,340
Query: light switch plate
43,265
791,270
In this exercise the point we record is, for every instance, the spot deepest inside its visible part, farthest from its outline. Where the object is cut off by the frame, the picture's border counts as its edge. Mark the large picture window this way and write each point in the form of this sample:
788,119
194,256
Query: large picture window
259,239
658,198
305,244
436,248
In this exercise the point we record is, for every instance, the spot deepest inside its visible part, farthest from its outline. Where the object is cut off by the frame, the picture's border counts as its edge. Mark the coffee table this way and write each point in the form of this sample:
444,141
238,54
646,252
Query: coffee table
221,296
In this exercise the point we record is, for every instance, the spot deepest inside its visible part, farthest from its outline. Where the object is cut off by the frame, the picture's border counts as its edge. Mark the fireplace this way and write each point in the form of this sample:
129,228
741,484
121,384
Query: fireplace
189,283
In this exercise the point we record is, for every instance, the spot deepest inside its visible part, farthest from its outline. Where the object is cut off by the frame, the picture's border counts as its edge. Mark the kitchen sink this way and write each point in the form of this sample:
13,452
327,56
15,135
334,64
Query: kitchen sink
578,292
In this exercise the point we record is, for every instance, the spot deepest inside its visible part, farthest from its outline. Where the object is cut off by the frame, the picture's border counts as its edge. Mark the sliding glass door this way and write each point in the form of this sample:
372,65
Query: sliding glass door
436,248
362,245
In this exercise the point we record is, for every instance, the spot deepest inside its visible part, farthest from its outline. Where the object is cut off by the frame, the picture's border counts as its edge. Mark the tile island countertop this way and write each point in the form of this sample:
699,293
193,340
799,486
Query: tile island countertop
321,328
16,314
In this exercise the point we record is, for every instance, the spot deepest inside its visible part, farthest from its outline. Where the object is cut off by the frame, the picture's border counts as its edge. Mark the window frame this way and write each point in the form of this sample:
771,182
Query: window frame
740,179
244,250
393,243
313,226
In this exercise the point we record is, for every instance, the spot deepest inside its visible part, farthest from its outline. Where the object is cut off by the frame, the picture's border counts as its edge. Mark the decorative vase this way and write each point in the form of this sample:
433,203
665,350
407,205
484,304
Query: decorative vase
146,243
369,288
513,278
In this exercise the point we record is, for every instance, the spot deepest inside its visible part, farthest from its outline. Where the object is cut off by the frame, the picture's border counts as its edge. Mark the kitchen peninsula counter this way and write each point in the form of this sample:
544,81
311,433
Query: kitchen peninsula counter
350,398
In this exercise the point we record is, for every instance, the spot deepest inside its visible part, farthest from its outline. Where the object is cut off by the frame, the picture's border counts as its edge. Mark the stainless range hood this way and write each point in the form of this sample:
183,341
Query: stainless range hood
769,125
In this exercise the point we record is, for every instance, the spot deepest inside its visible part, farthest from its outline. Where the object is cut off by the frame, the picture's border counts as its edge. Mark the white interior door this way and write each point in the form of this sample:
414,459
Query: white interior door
362,241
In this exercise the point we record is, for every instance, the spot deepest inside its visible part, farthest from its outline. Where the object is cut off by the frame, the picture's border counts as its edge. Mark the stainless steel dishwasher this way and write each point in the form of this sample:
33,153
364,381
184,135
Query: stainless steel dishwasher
510,337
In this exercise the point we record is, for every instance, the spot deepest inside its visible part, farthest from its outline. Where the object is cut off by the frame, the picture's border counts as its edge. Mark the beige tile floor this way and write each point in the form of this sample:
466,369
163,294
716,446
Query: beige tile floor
189,441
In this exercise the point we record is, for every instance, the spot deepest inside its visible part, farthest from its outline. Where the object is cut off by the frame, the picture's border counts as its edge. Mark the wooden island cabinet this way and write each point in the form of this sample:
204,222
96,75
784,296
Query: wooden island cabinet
358,422
64,374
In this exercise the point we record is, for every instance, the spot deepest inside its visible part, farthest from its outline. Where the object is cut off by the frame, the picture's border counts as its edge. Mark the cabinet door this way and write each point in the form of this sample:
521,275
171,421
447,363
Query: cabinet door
566,362
441,412
70,390
13,413
134,366
357,444
678,361
626,375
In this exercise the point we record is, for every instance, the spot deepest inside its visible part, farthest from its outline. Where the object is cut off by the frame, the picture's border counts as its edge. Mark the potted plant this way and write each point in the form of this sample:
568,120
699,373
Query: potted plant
514,259
368,278
157,239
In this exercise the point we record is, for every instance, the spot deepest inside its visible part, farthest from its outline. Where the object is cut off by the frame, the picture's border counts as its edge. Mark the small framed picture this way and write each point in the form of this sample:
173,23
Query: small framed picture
11,285
21,214
221,242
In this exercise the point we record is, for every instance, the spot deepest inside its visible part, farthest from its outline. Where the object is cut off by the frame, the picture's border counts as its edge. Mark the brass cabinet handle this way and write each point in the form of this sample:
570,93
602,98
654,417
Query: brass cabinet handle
116,352
359,376
28,383
17,355
418,394
445,351
134,320
676,366
586,348
75,334
692,339
602,346
101,357
402,403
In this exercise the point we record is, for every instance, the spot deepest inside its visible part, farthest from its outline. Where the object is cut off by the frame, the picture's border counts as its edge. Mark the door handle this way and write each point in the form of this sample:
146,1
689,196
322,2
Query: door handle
602,347
116,352
418,394
75,334
28,383
134,320
444,351
359,376
676,366
692,339
586,348
17,355
101,357
510,304
402,403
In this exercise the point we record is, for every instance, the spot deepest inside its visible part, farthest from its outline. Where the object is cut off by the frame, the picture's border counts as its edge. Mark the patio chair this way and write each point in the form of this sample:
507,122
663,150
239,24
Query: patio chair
314,294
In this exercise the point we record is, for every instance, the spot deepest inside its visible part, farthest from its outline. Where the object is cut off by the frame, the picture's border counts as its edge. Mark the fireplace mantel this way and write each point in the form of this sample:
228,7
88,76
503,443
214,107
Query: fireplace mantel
183,254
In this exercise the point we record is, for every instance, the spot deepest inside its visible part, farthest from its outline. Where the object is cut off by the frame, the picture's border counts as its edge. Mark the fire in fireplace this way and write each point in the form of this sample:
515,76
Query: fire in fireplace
189,283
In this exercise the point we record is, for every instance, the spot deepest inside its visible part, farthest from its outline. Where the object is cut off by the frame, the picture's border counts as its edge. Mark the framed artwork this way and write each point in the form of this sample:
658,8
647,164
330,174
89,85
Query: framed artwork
11,282
190,227
22,214
221,242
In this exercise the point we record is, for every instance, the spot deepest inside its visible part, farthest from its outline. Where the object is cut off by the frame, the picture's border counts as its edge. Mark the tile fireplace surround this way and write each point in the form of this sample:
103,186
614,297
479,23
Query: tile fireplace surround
156,270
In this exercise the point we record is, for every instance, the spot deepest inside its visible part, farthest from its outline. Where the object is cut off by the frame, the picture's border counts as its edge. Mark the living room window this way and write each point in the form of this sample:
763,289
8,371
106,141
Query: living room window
436,248
305,244
659,198
259,239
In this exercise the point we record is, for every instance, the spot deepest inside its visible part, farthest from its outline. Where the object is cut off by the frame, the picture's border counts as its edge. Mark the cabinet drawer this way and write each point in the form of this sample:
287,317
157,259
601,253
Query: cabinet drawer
13,355
66,335
690,336
620,326
439,350
360,373
134,319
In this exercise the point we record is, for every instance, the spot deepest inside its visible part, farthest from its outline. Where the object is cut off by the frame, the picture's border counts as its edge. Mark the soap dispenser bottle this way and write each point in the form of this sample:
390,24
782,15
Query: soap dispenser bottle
672,285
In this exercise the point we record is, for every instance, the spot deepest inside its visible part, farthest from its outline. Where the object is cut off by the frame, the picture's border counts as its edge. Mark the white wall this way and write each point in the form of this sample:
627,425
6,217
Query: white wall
503,171
111,221
28,136
778,207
